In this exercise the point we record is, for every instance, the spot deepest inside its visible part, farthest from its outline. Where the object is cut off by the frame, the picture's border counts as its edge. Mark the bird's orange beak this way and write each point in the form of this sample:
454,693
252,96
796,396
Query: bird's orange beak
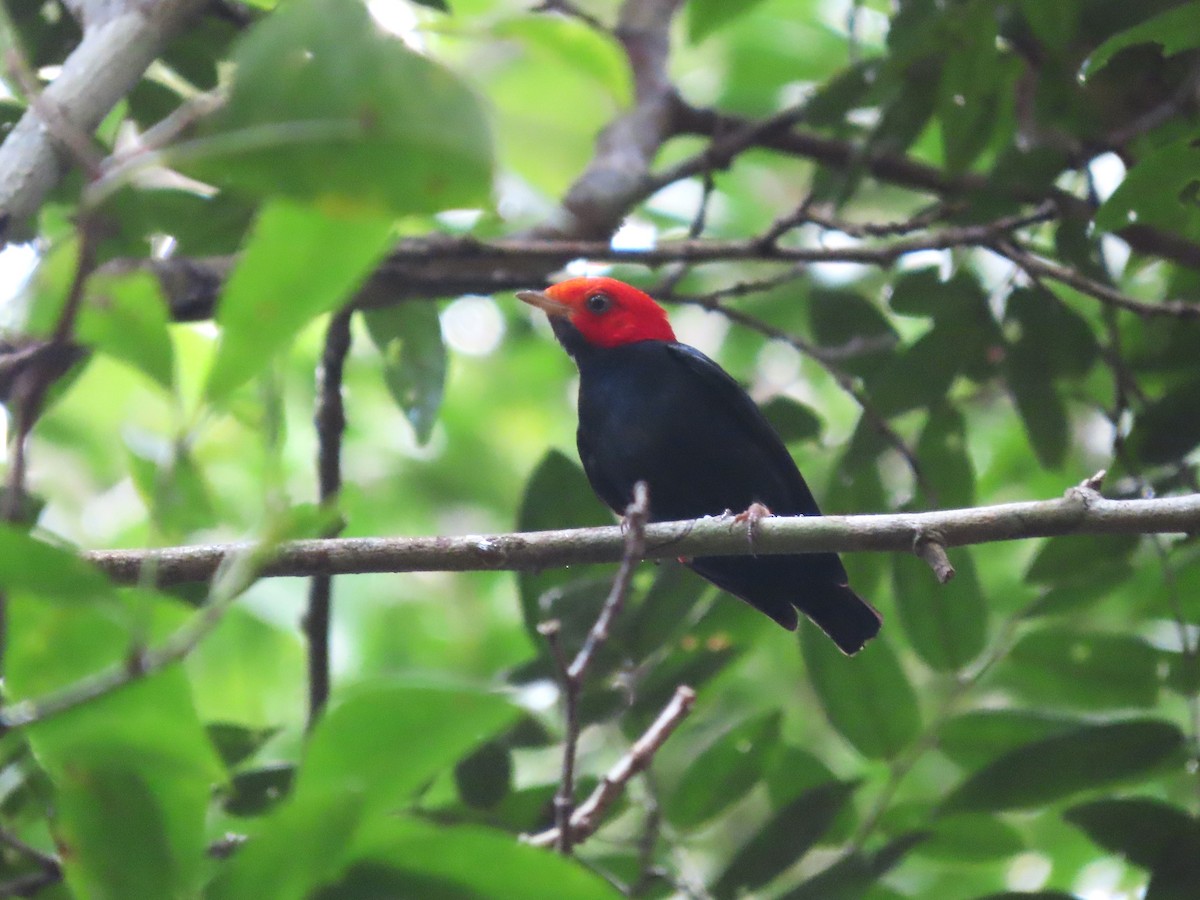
545,302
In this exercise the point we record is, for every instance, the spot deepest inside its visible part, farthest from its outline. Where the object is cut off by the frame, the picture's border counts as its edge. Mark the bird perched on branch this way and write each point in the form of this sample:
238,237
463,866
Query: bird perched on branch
655,410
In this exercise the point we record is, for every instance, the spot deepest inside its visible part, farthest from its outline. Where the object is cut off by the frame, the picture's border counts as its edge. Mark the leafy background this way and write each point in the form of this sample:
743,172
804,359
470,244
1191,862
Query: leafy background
1030,729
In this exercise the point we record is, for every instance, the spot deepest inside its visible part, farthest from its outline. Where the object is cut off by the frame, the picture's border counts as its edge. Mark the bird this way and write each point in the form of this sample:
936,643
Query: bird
656,410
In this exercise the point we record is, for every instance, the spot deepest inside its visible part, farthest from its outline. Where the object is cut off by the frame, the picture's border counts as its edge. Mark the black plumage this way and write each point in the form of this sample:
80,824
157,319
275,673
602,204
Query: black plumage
664,413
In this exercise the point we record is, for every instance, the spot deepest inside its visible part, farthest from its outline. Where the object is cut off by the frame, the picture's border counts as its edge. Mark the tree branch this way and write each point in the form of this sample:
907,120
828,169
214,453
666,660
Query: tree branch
440,266
330,421
614,179
1037,267
120,40
571,676
1081,511
586,819
907,172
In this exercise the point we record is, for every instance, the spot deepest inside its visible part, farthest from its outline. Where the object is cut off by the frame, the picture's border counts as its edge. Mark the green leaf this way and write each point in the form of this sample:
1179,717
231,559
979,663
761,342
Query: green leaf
867,697
376,745
1031,895
562,83
409,338
666,610
1058,337
792,419
942,451
840,317
1041,408
557,495
975,738
920,374
356,740
110,818
406,857
784,839
298,264
1160,190
1066,667
794,770
484,778
920,292
1054,24
327,108
971,75
856,875
255,791
692,665
1174,30
971,837
1078,560
125,317
236,743
1044,771
47,572
132,770
1168,428
947,624
726,769
1143,830
200,225
707,16
174,490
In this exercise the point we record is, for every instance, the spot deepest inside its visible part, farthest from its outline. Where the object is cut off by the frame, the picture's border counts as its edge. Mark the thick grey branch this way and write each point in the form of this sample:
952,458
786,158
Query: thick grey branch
1079,512
615,178
120,40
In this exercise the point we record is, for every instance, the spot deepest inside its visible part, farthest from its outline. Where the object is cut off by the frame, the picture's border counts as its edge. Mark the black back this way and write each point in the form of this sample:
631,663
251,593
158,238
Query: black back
667,414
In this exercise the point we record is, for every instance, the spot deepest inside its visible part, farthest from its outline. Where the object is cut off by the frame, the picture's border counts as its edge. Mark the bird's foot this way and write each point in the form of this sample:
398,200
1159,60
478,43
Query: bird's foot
752,515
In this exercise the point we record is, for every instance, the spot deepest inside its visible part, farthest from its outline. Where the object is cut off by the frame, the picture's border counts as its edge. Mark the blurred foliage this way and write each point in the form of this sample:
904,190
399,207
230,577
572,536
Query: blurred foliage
1029,730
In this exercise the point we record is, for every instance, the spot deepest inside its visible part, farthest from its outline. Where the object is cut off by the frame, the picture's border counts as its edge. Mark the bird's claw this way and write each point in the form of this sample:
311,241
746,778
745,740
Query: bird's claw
753,514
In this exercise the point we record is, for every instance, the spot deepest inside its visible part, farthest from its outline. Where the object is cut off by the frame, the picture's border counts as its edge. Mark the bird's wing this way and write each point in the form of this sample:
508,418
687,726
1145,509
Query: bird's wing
606,489
737,403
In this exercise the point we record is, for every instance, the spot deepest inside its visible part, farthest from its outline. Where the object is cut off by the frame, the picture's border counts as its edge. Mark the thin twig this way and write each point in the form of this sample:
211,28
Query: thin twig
588,816
726,146
933,552
904,171
571,10
29,884
1035,266
571,676
49,868
635,548
27,392
330,422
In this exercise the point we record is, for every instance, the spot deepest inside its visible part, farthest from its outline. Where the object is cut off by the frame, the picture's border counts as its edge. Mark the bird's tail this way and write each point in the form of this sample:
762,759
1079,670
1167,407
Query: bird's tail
843,615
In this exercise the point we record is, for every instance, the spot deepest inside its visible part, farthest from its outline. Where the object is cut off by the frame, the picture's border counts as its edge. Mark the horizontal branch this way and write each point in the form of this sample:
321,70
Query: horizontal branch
1080,511
902,170
443,266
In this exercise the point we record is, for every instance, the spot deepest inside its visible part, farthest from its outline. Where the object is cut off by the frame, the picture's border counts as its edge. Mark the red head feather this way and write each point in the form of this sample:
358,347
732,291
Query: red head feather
607,312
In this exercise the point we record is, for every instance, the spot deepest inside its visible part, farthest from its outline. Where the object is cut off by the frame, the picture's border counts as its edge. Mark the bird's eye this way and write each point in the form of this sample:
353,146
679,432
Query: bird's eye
598,303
